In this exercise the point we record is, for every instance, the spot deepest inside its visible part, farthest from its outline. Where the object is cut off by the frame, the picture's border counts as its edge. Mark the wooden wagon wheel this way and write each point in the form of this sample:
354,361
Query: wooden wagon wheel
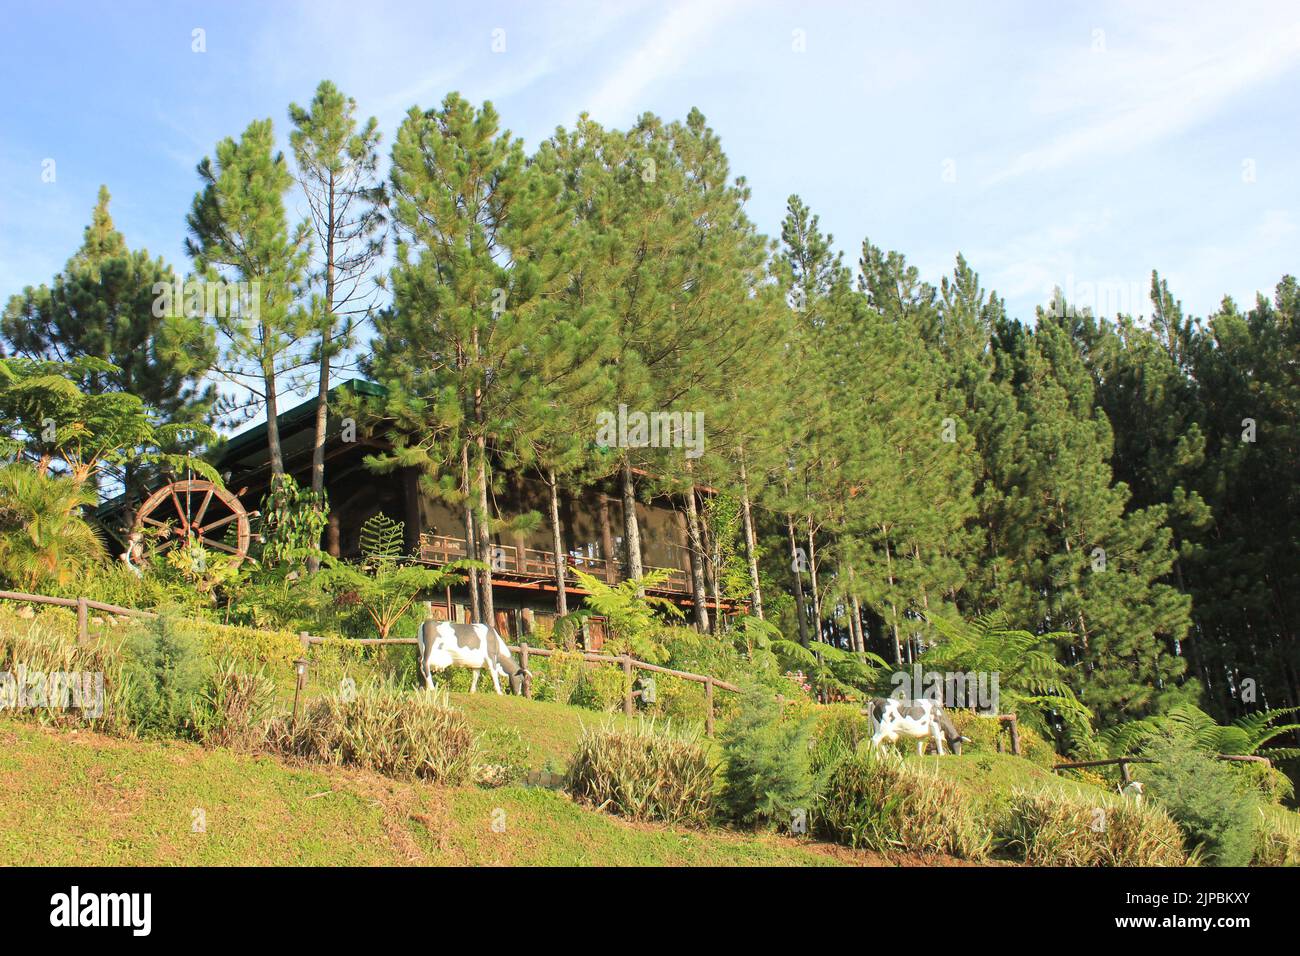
194,511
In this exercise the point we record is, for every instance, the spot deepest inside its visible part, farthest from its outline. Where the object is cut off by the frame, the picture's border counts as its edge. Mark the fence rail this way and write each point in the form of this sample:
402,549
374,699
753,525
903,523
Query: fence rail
1123,763
83,605
626,661
538,564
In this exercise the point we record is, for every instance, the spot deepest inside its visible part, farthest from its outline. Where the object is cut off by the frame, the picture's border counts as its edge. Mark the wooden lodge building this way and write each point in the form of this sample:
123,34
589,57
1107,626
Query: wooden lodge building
523,576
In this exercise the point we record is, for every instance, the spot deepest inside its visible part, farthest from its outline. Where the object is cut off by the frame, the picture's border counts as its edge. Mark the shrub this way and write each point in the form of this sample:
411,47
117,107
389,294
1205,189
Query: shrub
233,708
556,678
1260,779
502,757
680,700
44,539
250,647
643,774
986,733
766,771
840,730
600,688
1055,828
382,728
885,803
1206,799
165,666
115,583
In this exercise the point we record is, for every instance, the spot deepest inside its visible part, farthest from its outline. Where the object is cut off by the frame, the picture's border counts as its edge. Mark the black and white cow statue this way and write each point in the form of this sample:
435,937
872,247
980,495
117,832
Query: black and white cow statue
920,719
444,644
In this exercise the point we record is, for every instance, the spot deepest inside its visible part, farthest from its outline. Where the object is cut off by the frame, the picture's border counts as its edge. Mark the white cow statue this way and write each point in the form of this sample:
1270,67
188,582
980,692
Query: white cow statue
476,646
892,718
1132,790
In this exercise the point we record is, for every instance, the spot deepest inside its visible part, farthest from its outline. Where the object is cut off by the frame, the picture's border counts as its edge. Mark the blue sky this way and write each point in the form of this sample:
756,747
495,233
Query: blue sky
1078,145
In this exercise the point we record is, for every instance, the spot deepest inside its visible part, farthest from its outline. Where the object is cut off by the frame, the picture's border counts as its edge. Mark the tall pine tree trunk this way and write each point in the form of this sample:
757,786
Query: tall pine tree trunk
698,594
485,535
471,537
557,545
323,386
715,565
812,575
795,564
751,548
272,416
859,637
482,520
632,530
855,614
893,608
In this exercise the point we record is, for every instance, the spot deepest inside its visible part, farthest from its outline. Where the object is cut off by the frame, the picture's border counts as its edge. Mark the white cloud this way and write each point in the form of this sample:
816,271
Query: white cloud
1154,79
685,26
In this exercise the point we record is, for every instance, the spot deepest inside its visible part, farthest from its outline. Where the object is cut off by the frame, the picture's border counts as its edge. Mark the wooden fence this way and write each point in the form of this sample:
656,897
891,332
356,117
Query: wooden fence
1123,763
626,661
83,605
629,664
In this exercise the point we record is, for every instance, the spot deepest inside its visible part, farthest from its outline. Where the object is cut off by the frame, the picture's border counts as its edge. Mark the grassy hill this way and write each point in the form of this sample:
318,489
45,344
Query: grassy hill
82,798
136,802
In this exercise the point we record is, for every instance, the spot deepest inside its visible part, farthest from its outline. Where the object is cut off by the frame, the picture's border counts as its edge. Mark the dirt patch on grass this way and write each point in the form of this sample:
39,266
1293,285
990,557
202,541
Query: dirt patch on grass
408,809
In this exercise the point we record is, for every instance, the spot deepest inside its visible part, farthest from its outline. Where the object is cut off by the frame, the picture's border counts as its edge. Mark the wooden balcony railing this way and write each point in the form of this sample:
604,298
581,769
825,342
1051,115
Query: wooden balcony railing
537,565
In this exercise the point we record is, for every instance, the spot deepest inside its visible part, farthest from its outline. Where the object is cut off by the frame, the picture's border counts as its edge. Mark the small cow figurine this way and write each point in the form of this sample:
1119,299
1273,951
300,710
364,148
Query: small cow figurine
1132,790
476,646
892,718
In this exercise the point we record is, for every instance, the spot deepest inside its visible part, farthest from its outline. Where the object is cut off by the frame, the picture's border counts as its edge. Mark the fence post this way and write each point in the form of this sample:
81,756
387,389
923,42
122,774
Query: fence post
1015,735
629,706
83,621
523,662
1124,774
708,706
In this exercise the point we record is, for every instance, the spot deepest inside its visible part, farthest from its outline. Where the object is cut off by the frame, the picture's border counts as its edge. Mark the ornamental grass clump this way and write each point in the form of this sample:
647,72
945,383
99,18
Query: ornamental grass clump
644,774
234,707
388,730
1277,840
48,676
1055,828
884,803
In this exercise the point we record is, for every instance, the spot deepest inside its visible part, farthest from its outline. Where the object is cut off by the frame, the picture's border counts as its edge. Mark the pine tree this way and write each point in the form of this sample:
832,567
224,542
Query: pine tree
1079,560
1245,579
566,379
238,230
103,306
337,161
475,259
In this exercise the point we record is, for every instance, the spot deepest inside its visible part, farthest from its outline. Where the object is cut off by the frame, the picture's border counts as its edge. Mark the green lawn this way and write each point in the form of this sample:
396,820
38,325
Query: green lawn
83,799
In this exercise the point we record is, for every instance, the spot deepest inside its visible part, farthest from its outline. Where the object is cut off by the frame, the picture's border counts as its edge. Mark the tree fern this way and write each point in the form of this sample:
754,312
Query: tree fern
633,619
382,539
1032,683
1245,736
